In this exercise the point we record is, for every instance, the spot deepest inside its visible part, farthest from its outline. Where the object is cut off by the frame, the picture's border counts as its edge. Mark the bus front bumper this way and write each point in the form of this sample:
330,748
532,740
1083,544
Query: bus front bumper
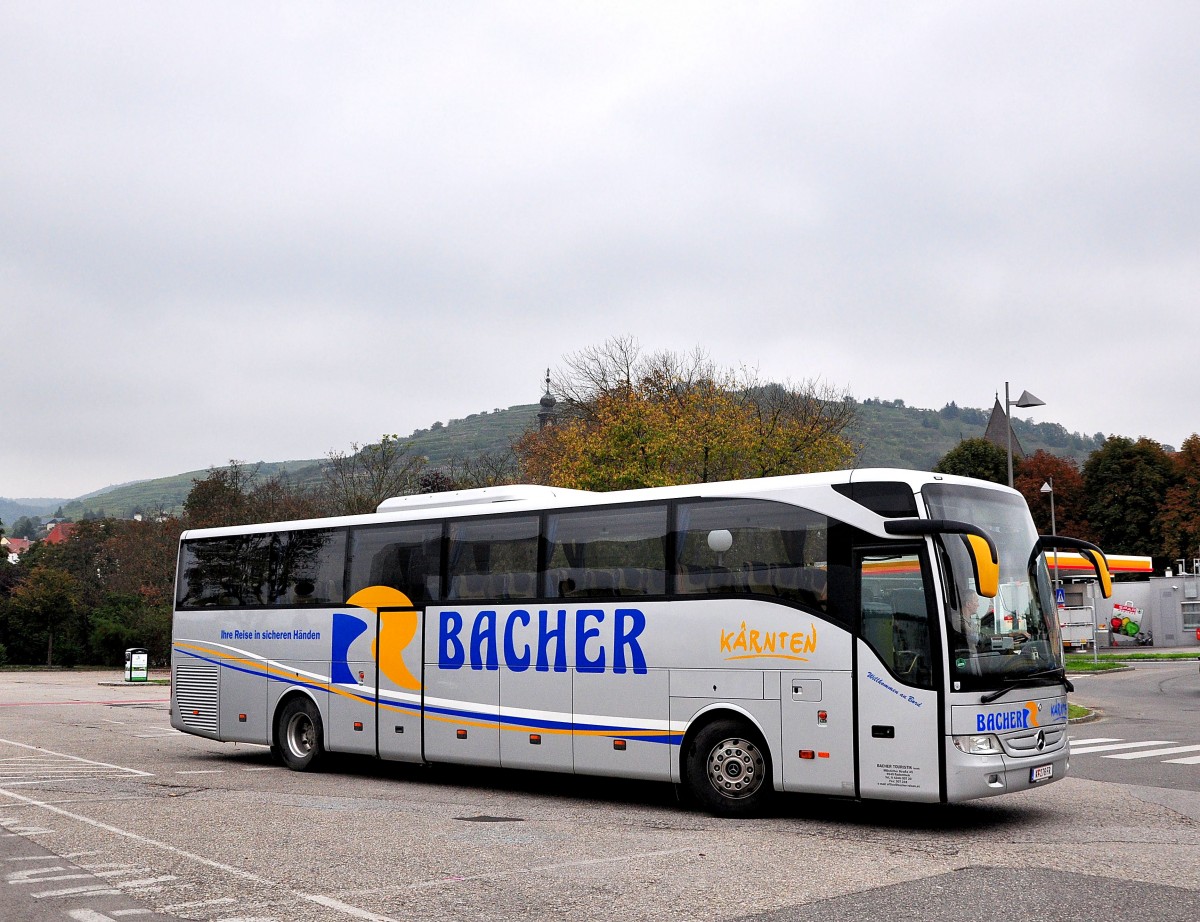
969,776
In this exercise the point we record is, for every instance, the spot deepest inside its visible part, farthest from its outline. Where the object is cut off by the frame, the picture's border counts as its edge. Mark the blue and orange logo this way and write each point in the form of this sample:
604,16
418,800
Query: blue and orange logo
397,628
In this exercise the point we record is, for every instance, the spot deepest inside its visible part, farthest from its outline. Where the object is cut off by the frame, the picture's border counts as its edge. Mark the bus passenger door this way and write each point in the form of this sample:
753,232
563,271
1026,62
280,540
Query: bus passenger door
350,719
897,675
398,656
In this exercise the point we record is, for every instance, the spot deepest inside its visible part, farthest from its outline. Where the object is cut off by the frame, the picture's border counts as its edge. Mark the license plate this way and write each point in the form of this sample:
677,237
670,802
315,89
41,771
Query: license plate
1041,773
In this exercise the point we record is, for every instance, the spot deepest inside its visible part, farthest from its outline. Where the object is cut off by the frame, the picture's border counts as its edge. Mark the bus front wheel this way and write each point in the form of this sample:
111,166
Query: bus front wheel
300,735
728,769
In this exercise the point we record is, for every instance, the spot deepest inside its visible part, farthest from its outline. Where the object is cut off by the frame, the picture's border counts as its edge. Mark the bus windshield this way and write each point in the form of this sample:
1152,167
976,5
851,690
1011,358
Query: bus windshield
1015,636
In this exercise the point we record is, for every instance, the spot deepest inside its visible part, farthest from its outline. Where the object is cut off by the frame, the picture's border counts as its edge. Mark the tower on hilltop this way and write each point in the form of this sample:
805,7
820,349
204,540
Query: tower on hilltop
546,414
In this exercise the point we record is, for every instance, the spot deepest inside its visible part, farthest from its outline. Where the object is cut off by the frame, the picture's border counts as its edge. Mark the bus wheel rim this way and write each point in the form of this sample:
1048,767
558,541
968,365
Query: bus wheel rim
735,768
300,735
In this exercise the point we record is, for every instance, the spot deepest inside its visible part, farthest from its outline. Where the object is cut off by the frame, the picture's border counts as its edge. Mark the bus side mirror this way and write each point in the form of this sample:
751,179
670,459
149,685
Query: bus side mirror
985,560
985,565
1090,552
1100,564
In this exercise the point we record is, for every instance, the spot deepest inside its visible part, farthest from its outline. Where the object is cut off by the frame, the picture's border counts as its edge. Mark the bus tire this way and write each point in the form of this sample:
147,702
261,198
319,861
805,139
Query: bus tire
728,769
301,734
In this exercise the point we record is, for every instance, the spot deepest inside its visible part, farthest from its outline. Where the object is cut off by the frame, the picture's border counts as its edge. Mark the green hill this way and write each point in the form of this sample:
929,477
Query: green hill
893,435
164,493
473,435
890,433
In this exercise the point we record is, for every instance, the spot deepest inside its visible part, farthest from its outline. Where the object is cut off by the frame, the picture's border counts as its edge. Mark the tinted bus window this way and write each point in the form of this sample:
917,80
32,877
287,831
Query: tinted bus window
269,568
493,558
752,547
607,552
404,557
309,568
212,572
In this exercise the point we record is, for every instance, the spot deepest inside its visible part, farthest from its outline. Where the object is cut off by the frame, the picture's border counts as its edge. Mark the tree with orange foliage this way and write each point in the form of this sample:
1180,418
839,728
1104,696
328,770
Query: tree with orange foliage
1070,501
631,421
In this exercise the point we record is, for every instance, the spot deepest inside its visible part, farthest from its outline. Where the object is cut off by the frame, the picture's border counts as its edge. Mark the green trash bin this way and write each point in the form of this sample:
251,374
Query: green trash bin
137,664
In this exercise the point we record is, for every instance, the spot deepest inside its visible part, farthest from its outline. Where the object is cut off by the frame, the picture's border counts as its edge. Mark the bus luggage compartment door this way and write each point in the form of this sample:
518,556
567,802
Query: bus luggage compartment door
818,732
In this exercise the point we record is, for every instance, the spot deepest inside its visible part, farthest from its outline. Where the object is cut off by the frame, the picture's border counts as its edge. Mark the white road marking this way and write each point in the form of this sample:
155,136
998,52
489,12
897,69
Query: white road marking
40,875
76,891
63,755
1111,747
1154,752
147,883
326,901
89,915
197,904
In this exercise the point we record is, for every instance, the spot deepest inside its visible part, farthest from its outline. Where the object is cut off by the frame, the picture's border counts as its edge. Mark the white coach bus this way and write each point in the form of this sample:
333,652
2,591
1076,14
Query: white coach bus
869,634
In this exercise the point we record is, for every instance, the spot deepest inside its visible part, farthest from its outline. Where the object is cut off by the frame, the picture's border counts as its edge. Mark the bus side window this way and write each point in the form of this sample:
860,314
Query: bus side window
493,558
895,614
277,569
308,567
210,573
404,557
753,547
607,553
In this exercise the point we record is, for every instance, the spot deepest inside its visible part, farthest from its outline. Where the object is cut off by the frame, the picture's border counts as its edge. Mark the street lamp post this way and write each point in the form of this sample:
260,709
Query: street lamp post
1048,487
1025,400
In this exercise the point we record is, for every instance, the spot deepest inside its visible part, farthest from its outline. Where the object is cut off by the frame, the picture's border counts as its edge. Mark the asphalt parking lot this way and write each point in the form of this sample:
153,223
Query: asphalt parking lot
93,780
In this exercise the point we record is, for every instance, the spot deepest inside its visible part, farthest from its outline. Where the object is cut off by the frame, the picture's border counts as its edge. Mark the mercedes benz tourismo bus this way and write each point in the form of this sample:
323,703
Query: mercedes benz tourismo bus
868,634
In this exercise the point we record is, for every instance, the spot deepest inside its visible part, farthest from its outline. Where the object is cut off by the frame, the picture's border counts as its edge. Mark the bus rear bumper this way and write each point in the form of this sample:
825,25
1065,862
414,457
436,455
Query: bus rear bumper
972,776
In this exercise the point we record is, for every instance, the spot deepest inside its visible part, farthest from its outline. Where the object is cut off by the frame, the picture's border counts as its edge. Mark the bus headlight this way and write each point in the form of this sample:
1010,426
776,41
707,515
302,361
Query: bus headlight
983,745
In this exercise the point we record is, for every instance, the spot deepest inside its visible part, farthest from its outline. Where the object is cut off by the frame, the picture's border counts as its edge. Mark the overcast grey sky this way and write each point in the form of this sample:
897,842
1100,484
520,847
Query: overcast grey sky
264,231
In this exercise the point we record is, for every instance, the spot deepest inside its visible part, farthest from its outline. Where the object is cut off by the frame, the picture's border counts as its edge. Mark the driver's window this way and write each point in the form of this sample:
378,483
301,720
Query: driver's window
895,614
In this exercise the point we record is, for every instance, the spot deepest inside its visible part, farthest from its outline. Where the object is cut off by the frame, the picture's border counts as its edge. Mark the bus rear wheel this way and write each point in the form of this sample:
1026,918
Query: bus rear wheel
300,735
728,769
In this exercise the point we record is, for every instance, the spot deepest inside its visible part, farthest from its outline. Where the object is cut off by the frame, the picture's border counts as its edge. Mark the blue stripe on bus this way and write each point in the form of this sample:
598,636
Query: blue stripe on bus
512,723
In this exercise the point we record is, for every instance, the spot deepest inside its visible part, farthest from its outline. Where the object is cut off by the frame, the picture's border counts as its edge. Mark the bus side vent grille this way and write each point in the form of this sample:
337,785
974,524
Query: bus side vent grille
196,687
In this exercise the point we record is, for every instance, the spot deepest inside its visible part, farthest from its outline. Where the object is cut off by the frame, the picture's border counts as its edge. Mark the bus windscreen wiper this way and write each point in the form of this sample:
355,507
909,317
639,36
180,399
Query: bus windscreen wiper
1033,680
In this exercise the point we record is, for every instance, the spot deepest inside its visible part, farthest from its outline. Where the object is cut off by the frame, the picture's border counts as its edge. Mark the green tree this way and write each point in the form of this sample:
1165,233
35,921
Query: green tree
220,498
1125,483
27,527
46,603
977,458
1180,518
79,556
126,620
